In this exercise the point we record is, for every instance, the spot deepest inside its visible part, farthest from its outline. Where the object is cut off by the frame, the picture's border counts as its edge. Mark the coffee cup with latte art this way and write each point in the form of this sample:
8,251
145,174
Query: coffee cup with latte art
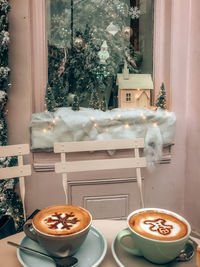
159,235
60,229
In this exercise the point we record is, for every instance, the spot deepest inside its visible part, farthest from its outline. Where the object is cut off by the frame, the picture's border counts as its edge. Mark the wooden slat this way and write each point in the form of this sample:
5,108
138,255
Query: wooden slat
64,178
17,171
14,150
92,165
198,256
98,145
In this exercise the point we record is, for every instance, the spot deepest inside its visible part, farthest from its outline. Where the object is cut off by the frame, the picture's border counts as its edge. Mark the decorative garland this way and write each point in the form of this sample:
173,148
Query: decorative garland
10,204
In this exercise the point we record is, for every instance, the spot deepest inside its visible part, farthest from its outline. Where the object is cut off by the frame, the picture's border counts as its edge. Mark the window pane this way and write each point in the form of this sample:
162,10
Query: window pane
89,42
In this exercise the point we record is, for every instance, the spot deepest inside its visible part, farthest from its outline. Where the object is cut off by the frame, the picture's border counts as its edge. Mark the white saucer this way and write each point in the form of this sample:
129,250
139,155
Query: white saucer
91,253
125,259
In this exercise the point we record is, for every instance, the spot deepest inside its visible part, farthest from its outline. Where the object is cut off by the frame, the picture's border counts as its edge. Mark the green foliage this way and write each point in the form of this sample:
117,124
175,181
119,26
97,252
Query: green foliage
10,202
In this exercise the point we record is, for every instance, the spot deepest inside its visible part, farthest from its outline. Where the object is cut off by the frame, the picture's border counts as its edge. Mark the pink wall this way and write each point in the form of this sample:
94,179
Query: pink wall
172,186
192,179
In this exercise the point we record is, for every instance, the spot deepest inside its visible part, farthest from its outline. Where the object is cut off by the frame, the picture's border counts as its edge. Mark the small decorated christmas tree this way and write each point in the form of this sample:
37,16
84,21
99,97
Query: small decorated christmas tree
75,105
161,99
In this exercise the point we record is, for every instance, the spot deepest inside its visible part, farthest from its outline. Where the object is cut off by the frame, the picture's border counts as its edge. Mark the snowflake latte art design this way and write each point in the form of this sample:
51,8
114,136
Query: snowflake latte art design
158,225
62,220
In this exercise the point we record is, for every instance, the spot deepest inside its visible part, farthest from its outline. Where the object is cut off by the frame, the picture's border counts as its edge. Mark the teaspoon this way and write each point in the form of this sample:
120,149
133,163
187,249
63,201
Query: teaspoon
60,262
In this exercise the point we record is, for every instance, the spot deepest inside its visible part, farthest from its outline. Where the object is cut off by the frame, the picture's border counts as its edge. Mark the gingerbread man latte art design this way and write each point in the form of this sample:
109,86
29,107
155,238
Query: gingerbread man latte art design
159,226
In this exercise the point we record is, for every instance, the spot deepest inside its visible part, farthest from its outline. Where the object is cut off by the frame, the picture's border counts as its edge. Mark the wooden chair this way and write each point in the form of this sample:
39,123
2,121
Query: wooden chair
65,167
16,171
198,256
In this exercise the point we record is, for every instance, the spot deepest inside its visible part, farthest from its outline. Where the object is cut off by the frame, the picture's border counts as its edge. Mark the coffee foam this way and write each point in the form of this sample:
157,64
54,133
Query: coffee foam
61,220
158,225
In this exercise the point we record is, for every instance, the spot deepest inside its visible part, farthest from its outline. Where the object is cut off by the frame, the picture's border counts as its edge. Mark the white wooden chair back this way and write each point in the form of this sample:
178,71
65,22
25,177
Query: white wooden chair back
110,163
20,170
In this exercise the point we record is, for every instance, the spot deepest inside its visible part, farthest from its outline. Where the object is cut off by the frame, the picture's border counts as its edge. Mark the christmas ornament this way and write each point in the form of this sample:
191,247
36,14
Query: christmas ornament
78,43
103,53
112,29
127,32
134,12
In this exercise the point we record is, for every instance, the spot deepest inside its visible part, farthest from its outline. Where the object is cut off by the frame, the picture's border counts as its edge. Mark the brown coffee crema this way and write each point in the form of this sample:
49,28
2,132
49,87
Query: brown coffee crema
61,220
158,225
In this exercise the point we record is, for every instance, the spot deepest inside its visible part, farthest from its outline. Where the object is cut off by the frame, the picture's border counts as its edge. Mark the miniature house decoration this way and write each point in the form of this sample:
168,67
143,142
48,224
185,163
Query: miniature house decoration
134,90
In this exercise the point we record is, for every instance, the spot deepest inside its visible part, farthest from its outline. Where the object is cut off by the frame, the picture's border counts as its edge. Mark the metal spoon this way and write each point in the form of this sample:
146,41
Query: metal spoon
60,262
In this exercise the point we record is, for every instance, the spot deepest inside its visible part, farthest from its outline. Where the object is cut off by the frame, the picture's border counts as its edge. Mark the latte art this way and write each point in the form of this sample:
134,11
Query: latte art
61,220
158,225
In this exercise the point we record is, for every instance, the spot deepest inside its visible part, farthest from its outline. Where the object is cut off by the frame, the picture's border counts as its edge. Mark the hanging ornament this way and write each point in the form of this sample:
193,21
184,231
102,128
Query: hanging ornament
127,32
103,53
112,29
78,43
134,12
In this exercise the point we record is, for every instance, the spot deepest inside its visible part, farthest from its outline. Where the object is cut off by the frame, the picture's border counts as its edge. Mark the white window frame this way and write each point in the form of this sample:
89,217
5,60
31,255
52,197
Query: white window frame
161,67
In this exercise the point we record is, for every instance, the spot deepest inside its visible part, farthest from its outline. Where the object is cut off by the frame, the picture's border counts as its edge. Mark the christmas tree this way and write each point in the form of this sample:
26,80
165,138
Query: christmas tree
91,39
161,99
10,204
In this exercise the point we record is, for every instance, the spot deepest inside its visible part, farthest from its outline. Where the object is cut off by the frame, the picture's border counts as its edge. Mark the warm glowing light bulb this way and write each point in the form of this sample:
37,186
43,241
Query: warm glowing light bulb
155,124
126,125
53,122
92,118
111,118
95,125
119,115
44,130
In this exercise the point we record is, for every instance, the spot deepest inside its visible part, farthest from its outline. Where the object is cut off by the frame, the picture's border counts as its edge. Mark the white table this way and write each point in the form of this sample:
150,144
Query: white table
8,256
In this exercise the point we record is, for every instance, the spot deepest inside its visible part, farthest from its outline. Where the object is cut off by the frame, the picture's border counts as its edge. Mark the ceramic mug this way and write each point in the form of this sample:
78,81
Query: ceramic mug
154,250
60,229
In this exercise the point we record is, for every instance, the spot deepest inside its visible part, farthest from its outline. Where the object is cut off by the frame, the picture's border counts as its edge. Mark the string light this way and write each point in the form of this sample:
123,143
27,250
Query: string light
111,118
155,124
95,125
44,130
126,125
143,116
92,118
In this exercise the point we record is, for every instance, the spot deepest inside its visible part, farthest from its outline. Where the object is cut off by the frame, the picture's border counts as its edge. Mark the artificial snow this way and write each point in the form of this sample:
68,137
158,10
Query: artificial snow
156,127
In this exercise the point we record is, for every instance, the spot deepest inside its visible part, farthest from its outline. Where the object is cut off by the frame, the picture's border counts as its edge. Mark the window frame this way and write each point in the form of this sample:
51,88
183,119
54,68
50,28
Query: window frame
161,68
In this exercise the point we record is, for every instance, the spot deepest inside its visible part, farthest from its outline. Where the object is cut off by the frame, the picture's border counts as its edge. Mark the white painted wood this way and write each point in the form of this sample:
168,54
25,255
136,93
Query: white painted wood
64,178
135,161
102,164
14,150
96,205
16,171
102,199
98,145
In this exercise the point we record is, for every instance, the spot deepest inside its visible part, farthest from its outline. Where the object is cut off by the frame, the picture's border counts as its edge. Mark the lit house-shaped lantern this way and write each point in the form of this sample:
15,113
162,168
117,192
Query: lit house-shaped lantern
134,90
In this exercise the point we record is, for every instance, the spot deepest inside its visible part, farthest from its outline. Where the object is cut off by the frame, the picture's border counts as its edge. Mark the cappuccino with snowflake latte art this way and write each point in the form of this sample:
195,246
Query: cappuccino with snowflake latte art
60,229
62,220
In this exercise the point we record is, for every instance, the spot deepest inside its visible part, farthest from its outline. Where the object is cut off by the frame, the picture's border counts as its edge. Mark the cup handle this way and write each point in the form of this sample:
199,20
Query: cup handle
123,233
29,231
